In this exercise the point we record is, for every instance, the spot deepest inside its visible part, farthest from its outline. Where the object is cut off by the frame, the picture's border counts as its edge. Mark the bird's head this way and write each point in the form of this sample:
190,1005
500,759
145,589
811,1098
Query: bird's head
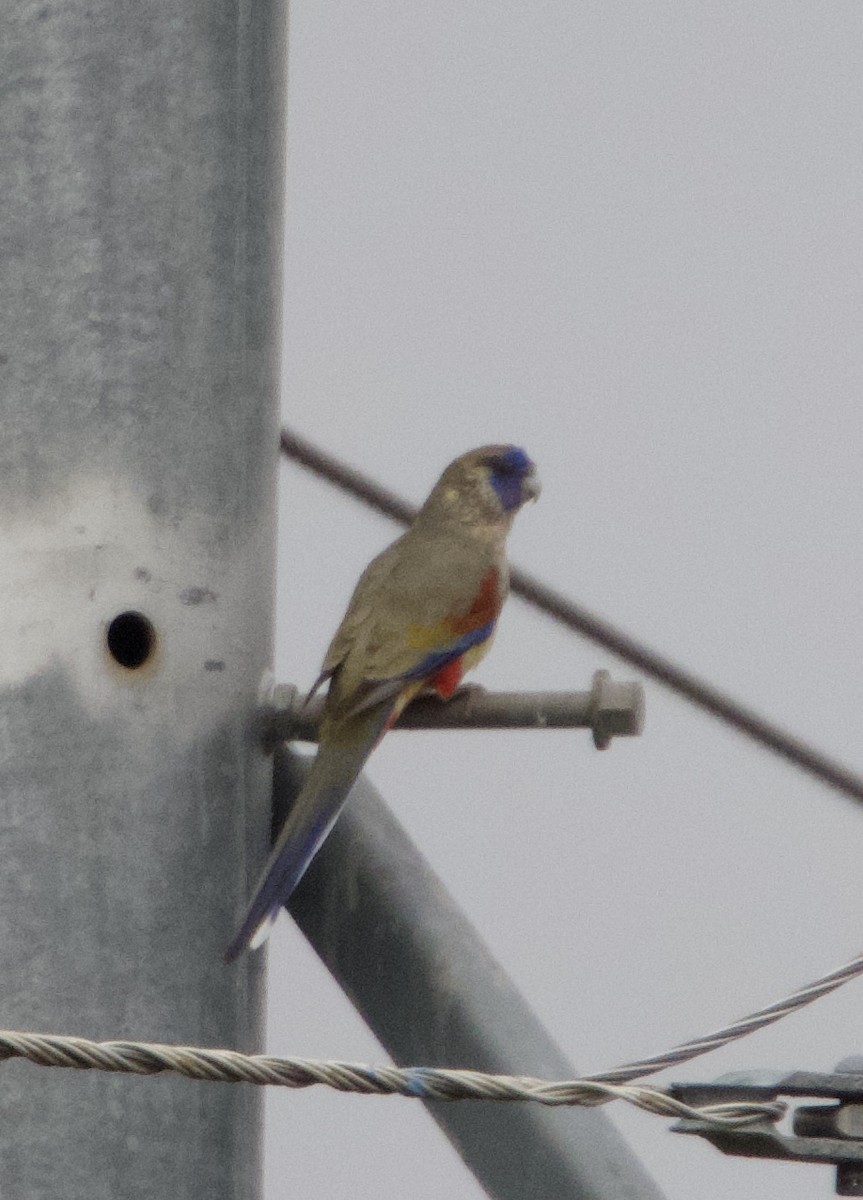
487,486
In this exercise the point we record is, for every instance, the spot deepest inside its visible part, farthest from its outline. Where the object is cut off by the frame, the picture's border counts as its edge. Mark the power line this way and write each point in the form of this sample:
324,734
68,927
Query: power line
737,1029
574,616
415,1083
428,1083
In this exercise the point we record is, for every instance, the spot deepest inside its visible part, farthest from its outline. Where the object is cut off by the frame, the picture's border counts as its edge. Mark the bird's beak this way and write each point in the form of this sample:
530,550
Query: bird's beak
530,486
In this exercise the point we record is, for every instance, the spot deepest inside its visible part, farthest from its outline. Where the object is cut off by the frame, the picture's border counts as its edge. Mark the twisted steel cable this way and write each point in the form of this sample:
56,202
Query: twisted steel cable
431,1083
425,1083
738,1029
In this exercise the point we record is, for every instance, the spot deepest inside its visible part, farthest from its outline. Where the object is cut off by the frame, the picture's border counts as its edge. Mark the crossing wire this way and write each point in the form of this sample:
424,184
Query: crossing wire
574,616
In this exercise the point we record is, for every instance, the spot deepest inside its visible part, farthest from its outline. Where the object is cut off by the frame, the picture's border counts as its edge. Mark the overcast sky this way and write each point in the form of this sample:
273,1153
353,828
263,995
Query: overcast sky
628,237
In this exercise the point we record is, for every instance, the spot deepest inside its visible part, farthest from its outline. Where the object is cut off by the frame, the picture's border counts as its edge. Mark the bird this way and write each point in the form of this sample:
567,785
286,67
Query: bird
422,614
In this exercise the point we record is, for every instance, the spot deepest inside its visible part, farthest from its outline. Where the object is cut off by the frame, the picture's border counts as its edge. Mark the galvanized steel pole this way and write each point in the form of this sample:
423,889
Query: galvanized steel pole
432,993
141,173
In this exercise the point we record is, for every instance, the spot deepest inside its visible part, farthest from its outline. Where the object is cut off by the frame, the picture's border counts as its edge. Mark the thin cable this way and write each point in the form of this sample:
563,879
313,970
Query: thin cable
355,483
738,1029
583,621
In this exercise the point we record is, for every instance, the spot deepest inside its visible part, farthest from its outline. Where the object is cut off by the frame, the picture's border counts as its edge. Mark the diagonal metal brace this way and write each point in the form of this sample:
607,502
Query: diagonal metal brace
822,1133
609,709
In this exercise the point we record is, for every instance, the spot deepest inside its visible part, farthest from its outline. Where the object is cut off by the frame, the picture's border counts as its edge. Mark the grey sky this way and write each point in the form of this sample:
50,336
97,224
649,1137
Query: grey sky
627,236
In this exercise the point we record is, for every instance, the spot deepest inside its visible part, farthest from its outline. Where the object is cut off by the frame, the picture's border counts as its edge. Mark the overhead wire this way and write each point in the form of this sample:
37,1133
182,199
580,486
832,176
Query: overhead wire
415,1083
430,1083
580,619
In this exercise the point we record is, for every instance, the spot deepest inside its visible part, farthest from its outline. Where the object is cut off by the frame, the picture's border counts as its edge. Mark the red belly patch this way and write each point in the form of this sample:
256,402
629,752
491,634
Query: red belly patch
485,607
446,680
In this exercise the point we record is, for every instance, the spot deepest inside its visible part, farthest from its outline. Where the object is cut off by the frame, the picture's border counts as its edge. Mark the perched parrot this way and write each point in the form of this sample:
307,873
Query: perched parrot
423,613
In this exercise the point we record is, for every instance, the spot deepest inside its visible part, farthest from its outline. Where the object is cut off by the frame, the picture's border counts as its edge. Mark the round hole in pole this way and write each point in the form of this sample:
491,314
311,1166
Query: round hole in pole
131,639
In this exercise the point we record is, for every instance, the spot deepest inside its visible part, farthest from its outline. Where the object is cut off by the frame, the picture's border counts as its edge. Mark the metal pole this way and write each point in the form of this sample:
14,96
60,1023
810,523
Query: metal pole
141,172
434,996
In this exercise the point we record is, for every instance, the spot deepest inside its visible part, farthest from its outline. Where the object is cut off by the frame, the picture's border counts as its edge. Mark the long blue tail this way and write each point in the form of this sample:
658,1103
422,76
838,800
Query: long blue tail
311,818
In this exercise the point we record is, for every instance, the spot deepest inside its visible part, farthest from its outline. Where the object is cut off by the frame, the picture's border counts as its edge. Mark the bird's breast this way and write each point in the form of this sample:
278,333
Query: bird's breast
485,607
482,611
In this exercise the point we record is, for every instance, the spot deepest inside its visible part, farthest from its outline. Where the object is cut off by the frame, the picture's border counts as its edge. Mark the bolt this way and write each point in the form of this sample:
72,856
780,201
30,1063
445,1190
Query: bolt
616,708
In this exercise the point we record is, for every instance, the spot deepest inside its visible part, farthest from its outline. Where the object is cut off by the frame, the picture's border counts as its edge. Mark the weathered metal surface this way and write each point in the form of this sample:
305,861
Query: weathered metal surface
140,161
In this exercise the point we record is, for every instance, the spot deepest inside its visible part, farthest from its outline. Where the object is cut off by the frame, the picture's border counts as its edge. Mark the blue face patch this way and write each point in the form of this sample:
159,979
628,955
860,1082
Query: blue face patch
516,459
506,472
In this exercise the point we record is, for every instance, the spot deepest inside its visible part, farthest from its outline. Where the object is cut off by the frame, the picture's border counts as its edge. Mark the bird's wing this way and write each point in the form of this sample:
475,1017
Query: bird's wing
419,606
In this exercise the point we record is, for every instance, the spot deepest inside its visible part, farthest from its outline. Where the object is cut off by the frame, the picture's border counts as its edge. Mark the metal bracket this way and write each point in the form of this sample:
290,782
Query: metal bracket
609,709
822,1133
